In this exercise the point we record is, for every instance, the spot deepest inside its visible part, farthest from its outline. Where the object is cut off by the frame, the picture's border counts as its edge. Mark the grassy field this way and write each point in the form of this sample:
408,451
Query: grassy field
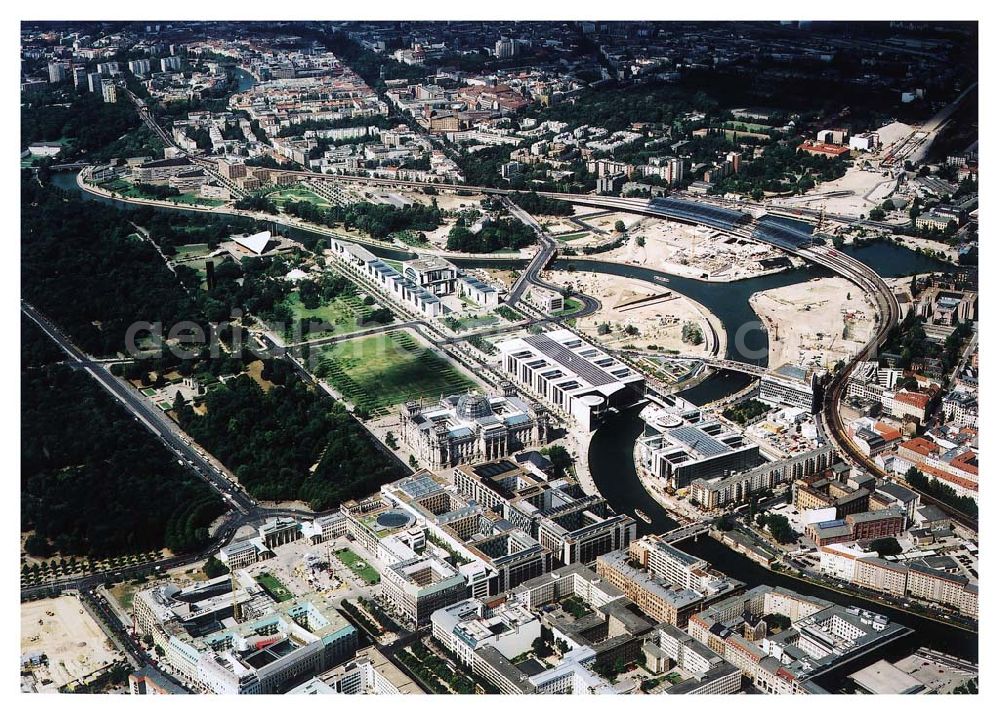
273,586
569,306
198,264
376,372
191,251
131,191
341,313
748,126
118,185
479,321
190,198
573,236
125,592
366,572
410,238
297,192
468,323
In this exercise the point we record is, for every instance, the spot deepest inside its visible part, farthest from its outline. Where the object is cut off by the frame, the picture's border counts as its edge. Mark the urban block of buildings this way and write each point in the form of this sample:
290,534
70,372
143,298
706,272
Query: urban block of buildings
227,636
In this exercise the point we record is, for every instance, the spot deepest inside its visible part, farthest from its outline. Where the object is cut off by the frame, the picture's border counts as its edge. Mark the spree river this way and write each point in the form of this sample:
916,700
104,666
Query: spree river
613,470
610,458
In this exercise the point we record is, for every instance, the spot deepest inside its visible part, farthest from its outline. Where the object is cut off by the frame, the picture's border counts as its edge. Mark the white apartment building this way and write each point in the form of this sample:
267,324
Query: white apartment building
420,586
468,625
139,67
170,64
109,91
478,291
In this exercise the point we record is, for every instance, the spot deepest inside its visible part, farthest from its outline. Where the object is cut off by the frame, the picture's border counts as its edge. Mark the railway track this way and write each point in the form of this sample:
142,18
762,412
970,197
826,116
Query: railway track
889,318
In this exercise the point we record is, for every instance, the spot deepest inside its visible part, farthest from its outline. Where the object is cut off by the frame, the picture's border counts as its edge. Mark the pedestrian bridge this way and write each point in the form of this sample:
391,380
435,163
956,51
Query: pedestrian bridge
753,369
684,532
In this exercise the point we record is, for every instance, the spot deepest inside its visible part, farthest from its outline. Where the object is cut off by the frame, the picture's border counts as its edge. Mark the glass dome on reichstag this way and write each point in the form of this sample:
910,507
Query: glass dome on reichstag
473,407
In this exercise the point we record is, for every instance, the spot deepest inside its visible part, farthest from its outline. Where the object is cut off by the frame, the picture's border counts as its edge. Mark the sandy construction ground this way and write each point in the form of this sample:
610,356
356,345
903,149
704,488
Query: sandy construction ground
558,225
916,243
814,324
860,189
503,278
581,209
437,239
893,132
659,320
606,221
692,251
857,192
72,640
447,201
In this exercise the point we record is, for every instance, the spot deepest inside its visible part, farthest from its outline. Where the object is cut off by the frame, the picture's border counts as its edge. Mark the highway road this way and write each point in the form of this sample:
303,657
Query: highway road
243,509
546,252
548,248
150,416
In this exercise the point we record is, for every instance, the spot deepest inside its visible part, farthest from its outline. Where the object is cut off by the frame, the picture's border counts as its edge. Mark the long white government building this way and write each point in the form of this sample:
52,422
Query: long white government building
571,374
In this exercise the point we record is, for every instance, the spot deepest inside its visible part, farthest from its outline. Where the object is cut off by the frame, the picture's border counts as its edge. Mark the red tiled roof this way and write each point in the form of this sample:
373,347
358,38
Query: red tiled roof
887,432
922,446
948,477
822,148
963,462
917,400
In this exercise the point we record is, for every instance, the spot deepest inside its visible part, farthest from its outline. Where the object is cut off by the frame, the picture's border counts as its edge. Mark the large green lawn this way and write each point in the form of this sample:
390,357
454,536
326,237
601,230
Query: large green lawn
572,236
365,570
376,372
273,586
467,323
569,306
199,264
131,191
189,251
748,126
118,185
297,193
341,313
192,198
